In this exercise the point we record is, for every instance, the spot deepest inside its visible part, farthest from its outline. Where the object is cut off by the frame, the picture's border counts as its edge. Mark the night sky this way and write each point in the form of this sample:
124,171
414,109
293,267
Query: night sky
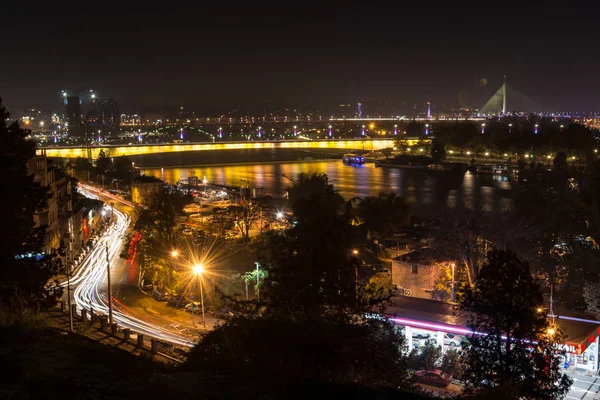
209,58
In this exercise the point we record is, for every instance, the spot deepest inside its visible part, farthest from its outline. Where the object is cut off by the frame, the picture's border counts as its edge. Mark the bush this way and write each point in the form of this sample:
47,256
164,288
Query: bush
366,353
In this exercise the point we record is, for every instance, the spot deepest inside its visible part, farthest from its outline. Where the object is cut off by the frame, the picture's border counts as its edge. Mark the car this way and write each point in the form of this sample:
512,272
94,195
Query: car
194,307
452,340
421,334
178,301
160,295
434,377
147,285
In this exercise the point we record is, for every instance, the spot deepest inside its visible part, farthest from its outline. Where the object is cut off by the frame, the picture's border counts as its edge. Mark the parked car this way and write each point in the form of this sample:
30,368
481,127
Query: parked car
160,295
194,307
147,285
433,377
420,334
178,301
452,340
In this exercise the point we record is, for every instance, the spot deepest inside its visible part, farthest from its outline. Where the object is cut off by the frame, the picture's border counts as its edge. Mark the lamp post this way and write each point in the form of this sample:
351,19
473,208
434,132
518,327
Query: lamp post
198,271
257,280
453,267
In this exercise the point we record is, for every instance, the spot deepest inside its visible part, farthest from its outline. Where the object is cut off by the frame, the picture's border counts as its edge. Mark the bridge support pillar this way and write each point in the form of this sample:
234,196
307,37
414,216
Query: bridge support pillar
83,315
113,329
140,340
126,334
103,322
74,309
154,346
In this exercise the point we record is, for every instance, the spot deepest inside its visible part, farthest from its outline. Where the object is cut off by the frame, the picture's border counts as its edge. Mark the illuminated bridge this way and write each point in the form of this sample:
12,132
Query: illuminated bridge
145,149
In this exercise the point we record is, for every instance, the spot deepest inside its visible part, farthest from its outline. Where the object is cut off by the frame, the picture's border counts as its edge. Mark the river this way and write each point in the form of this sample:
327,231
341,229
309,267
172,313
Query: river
424,192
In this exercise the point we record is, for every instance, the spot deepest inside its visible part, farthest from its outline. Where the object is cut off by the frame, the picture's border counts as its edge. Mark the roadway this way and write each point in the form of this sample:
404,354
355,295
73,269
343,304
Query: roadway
90,282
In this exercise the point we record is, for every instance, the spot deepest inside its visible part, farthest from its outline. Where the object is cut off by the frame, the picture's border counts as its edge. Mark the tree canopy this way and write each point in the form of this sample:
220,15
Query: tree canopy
25,272
514,342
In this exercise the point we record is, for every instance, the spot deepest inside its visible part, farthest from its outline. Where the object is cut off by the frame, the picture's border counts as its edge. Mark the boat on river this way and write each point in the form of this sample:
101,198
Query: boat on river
353,159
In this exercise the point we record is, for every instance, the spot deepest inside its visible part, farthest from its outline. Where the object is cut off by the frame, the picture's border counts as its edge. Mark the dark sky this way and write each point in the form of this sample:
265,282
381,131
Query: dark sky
205,57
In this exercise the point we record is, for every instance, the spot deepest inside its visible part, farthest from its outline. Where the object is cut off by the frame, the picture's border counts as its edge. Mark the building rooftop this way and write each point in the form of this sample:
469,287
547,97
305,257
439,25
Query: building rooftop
444,315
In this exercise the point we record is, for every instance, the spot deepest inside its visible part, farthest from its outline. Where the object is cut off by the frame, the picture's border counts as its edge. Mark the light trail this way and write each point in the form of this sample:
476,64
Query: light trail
91,291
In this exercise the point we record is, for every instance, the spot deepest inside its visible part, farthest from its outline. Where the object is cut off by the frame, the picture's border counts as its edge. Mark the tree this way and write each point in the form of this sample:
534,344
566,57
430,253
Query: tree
26,272
103,163
245,215
364,354
310,268
309,326
427,357
159,217
82,165
383,214
378,289
451,363
513,341
387,152
591,294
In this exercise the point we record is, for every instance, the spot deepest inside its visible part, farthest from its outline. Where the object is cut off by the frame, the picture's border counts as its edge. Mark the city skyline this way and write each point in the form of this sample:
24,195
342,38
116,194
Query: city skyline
229,58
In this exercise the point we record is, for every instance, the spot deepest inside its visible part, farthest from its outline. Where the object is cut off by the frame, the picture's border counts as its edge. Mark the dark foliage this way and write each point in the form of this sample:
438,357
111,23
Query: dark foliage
24,281
514,343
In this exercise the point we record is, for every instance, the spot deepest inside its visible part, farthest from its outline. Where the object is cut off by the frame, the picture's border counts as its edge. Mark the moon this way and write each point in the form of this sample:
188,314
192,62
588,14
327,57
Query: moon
483,81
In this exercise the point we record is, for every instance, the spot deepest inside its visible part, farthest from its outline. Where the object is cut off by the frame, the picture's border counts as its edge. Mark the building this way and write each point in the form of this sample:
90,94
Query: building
103,113
72,111
421,272
130,120
144,187
423,320
57,215
48,215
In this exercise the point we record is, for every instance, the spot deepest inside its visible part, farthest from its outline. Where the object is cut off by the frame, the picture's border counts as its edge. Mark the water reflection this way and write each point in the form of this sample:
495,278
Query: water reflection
424,191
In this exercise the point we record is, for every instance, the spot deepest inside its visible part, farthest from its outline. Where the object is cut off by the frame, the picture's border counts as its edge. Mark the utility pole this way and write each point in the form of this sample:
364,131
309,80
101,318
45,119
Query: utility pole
69,298
257,280
110,313
453,267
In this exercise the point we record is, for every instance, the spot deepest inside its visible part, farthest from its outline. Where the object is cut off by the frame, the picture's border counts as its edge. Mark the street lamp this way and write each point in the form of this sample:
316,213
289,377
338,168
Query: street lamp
174,253
198,271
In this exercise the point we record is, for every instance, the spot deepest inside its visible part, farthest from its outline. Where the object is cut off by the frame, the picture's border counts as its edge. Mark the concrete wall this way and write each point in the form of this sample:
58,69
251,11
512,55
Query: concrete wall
418,278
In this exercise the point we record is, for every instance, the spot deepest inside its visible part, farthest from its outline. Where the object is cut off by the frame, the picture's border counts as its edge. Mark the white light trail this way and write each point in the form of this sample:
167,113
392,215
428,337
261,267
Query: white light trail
90,291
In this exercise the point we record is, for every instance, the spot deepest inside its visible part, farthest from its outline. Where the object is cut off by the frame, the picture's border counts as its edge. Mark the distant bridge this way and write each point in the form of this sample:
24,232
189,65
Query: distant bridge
145,149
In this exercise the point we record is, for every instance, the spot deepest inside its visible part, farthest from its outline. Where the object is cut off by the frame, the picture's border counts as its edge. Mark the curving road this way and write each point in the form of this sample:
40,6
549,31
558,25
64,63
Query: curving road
90,280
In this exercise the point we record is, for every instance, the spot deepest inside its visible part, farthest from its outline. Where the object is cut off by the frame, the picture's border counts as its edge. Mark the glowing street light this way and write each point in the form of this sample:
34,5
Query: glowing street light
174,253
279,215
198,272
355,252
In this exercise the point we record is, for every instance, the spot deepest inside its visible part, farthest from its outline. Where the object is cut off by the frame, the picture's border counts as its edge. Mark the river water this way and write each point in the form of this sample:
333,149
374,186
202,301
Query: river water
425,192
